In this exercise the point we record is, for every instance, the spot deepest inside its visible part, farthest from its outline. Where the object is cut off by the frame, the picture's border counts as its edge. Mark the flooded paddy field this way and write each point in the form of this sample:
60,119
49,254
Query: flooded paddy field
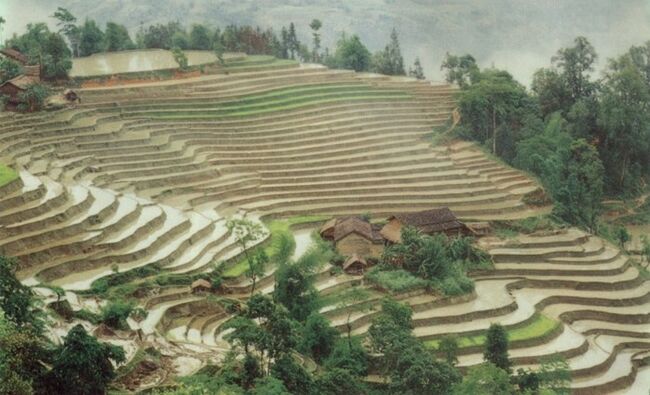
134,61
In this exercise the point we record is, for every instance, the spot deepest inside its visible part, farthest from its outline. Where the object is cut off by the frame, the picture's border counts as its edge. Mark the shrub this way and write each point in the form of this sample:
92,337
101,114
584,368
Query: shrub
180,58
33,98
115,314
395,281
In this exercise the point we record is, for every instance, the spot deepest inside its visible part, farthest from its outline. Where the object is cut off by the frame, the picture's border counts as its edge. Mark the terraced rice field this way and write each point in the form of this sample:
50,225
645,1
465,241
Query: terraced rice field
148,174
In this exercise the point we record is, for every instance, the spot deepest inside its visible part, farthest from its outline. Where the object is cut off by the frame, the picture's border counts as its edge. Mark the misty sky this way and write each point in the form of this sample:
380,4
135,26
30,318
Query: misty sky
517,35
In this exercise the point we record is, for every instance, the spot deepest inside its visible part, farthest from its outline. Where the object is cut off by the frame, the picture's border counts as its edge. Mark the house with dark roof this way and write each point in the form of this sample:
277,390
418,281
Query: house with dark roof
440,220
353,235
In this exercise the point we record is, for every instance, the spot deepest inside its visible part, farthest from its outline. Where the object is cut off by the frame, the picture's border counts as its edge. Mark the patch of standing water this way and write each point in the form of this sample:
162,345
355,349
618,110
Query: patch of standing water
134,61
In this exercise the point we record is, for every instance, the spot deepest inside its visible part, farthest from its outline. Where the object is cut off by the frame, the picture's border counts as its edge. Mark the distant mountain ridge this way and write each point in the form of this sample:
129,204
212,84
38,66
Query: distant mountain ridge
519,35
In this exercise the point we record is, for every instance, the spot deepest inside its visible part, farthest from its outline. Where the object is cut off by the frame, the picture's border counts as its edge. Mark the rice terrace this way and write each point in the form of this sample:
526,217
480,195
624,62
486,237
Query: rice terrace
199,210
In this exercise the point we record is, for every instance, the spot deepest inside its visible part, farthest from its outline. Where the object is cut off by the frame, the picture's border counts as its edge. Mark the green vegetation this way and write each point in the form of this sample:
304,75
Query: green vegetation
33,98
7,174
584,139
539,326
438,261
280,233
395,281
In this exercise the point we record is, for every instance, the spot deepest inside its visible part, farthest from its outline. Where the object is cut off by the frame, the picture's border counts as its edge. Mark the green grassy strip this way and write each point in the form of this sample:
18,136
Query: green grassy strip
209,115
540,326
277,229
269,97
279,102
7,174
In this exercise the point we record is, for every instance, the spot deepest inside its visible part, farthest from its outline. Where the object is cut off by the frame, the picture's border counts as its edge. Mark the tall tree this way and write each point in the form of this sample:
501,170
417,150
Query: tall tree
247,233
293,44
56,59
576,63
350,54
390,60
579,199
625,118
67,26
461,70
82,365
485,379
200,37
417,71
91,38
496,347
117,38
315,27
2,23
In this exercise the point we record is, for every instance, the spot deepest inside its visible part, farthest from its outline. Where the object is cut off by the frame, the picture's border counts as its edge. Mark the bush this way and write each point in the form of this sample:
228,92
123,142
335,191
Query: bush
396,281
115,314
180,58
33,98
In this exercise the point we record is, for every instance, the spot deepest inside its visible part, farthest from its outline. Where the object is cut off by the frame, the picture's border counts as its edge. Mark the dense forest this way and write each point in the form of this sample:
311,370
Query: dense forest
584,138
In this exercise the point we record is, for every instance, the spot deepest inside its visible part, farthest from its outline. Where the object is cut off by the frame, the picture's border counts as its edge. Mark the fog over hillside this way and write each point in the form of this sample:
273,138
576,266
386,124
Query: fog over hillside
518,35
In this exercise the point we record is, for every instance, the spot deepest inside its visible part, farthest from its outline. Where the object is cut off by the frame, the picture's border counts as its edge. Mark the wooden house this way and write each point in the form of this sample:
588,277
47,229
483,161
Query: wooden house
353,235
13,88
440,220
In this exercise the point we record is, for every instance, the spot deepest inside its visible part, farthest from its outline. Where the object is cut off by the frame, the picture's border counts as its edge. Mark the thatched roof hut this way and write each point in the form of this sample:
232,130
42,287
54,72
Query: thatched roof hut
353,235
355,265
440,220
201,285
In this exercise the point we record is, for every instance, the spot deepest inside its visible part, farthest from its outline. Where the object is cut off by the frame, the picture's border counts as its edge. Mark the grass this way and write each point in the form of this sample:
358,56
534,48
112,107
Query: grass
540,326
277,106
7,174
278,229
395,281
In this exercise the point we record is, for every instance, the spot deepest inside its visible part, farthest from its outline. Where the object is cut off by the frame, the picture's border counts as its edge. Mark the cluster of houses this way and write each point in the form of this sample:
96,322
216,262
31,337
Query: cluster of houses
13,87
359,240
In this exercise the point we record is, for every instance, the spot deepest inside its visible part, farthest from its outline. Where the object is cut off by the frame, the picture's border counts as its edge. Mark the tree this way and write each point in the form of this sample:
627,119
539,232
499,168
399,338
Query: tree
9,69
417,71
527,381
294,290
269,386
180,58
624,117
337,381
492,105
579,200
21,355
496,347
391,326
486,378
449,348
348,355
551,91
416,372
351,54
200,37
293,45
115,313
33,98
91,38
318,337
67,26
315,26
390,60
56,58
2,22
645,248
461,70
623,236
117,38
246,233
575,64
180,40
295,377
82,365
15,298
555,374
